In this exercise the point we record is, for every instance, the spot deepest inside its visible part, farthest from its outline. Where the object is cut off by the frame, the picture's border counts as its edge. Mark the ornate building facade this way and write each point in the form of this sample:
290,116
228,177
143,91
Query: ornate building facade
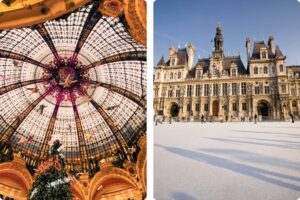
221,86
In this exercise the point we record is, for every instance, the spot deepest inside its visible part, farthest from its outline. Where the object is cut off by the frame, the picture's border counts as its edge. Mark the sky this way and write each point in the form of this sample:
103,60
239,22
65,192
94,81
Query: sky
179,22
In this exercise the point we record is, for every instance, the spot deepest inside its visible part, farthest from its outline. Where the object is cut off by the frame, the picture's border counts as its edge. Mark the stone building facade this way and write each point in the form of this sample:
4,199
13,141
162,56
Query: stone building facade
222,87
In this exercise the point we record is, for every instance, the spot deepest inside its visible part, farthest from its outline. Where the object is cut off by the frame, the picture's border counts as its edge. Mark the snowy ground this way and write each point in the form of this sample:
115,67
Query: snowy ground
228,161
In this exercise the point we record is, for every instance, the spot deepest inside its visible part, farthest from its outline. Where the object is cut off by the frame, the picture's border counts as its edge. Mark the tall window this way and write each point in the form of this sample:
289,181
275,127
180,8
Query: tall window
206,107
225,89
234,106
171,75
244,106
198,74
170,93
189,90
256,89
206,90
197,107
234,89
255,70
267,90
265,70
179,75
283,88
158,75
244,88
281,68
216,89
156,92
178,93
189,107
197,90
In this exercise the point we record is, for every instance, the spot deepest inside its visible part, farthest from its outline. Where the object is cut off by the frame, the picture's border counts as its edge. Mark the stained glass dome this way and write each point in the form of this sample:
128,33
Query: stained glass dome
80,78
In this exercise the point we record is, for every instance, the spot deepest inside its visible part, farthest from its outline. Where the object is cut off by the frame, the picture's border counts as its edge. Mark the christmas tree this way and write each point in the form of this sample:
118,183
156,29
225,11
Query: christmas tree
51,182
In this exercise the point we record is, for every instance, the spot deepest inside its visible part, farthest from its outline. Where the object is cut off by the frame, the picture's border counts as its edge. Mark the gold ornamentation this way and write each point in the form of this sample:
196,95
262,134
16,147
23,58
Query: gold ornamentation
113,8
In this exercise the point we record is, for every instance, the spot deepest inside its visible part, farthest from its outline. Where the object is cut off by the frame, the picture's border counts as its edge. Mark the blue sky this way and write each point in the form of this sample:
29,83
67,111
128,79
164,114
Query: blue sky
178,22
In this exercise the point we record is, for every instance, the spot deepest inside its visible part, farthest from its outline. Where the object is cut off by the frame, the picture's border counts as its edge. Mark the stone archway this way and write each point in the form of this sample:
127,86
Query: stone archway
174,110
264,109
215,108
114,183
15,179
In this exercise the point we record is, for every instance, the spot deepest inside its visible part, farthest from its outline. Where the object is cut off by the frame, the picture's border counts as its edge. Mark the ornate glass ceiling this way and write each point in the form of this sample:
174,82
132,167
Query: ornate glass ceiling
80,78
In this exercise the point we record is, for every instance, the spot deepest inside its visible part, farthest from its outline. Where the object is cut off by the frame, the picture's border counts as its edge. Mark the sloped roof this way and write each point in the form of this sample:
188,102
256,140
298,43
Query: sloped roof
261,44
161,61
182,57
295,68
234,59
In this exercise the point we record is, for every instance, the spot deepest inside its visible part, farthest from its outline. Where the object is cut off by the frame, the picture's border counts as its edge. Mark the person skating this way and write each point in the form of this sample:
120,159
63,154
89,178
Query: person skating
202,118
292,116
255,118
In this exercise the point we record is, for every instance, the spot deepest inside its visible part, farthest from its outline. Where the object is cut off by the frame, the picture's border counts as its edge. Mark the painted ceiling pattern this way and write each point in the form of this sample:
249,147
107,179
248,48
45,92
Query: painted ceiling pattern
80,78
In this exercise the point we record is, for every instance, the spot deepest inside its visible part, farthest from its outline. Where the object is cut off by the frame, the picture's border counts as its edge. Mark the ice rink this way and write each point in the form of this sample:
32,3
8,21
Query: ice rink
227,161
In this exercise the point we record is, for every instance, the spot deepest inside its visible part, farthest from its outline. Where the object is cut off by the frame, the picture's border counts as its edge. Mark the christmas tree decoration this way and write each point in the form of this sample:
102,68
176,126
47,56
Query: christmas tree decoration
22,140
51,182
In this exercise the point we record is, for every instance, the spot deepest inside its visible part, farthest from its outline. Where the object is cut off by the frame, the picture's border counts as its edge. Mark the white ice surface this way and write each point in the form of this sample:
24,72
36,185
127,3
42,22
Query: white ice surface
228,161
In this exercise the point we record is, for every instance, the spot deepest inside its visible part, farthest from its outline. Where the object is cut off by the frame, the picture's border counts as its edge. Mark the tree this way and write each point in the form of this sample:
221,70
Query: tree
51,182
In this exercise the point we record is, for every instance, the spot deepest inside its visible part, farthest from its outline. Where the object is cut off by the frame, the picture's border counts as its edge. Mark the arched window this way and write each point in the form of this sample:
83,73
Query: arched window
255,70
171,75
265,70
179,75
294,103
281,68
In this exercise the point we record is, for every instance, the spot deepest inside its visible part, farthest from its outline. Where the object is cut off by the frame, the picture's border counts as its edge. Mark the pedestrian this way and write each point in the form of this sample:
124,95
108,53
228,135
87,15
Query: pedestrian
170,120
226,118
255,118
292,116
202,118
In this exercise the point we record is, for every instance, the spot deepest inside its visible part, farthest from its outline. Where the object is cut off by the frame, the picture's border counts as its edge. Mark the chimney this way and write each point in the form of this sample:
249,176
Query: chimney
248,48
191,52
271,44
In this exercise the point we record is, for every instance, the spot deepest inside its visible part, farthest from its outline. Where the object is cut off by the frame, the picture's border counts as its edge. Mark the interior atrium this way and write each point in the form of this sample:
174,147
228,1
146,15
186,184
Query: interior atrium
74,71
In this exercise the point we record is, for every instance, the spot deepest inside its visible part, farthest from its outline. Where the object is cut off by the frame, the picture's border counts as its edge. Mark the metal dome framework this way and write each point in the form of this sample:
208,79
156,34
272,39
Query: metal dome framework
80,78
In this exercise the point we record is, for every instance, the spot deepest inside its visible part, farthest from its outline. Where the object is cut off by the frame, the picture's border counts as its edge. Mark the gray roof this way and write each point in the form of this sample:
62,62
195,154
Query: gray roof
182,57
161,61
204,63
261,44
295,68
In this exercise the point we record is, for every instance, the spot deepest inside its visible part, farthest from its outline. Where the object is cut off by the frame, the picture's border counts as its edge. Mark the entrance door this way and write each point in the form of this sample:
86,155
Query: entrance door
215,108
174,110
263,109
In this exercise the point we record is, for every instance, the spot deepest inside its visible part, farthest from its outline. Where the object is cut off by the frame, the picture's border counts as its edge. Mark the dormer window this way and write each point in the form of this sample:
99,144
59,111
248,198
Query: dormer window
281,68
233,72
263,54
172,61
